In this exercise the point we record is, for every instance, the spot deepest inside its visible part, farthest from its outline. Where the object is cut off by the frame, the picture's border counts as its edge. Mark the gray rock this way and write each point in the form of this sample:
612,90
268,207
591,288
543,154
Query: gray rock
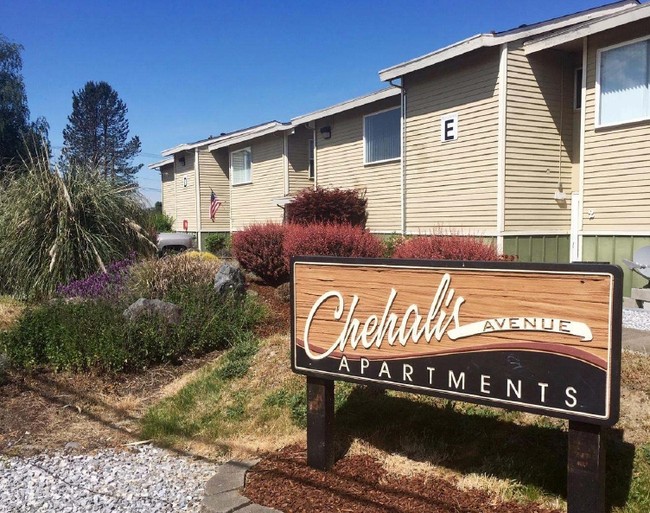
229,278
150,307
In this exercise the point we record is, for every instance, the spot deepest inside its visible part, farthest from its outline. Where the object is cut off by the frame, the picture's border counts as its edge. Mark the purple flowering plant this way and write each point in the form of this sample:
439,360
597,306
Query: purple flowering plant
101,285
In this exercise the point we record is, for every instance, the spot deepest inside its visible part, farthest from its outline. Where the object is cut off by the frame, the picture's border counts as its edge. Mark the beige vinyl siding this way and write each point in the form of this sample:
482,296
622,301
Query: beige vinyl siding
254,202
168,191
213,168
539,140
299,160
340,164
185,196
453,184
617,158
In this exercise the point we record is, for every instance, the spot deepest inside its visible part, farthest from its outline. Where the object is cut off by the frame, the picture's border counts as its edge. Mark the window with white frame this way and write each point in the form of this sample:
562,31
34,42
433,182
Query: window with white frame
623,83
240,166
381,136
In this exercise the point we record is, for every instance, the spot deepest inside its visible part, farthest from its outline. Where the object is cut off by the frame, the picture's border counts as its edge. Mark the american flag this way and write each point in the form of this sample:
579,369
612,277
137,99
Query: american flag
215,203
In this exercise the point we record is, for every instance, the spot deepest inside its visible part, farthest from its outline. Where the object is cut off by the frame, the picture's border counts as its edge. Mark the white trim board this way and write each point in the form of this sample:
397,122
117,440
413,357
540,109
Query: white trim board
347,105
488,40
586,29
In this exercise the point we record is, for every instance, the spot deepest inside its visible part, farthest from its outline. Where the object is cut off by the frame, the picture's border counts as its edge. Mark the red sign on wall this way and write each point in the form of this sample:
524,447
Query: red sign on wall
185,224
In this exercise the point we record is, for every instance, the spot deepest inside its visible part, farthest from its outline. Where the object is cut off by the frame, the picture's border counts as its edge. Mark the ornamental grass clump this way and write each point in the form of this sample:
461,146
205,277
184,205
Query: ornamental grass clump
161,278
61,225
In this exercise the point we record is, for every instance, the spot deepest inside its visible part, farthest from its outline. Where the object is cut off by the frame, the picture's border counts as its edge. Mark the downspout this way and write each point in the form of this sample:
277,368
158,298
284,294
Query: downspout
583,126
501,149
402,164
197,181
175,225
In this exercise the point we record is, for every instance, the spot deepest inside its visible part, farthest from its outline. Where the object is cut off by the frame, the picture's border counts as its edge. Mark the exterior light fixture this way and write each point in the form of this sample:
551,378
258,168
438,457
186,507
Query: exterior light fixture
326,132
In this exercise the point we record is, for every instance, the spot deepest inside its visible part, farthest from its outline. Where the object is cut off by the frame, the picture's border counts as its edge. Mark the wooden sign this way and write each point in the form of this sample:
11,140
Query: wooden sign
539,338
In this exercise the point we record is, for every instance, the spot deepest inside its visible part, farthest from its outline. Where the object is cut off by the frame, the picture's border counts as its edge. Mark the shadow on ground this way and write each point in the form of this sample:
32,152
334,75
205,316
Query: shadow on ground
475,440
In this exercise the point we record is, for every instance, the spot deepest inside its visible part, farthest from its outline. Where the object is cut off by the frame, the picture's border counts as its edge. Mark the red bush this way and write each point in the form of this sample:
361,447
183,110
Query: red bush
258,248
447,247
336,206
341,240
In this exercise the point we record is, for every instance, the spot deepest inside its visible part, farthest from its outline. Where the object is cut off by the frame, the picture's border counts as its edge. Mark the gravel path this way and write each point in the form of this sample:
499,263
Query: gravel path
636,318
146,479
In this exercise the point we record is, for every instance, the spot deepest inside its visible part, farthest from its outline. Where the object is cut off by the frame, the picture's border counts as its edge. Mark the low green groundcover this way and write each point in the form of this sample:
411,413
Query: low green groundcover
93,334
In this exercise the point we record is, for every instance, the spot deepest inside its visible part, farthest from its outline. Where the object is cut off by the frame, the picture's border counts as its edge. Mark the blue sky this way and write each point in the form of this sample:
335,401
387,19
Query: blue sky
189,69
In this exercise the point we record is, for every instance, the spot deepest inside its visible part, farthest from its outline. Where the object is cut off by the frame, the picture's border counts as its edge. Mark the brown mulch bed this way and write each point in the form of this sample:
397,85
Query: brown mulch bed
277,320
360,484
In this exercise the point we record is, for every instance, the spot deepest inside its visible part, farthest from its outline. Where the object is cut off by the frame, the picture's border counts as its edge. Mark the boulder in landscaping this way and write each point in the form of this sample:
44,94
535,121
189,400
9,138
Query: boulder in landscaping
229,278
150,307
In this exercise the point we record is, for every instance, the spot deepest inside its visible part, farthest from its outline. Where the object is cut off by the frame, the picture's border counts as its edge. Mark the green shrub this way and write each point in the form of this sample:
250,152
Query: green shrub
218,243
94,335
160,221
59,226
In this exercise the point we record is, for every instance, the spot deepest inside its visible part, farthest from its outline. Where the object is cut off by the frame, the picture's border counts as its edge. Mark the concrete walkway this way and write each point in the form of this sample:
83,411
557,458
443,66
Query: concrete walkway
636,340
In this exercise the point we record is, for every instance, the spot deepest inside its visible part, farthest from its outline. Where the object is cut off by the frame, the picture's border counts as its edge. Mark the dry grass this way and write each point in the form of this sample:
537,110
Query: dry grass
10,310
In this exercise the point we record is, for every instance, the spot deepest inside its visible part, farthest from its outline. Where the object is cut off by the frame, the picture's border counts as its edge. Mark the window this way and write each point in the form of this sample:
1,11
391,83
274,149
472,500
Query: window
577,89
240,166
623,83
311,159
381,136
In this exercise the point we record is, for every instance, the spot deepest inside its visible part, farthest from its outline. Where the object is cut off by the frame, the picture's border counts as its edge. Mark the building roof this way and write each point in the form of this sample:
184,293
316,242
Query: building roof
161,163
588,28
346,105
248,133
494,39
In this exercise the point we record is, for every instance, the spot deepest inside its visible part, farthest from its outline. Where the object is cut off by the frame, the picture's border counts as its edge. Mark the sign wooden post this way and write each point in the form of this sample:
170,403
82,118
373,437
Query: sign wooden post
320,423
586,468
540,338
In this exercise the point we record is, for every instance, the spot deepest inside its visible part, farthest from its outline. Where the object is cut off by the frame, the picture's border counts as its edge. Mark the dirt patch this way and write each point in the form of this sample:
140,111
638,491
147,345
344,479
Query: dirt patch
360,483
42,411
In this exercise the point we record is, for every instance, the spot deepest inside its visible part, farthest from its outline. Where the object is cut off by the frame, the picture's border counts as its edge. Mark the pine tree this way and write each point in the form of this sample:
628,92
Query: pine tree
18,136
97,133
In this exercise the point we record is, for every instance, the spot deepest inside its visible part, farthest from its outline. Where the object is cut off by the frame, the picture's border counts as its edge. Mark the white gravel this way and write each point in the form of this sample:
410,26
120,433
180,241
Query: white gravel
145,479
636,318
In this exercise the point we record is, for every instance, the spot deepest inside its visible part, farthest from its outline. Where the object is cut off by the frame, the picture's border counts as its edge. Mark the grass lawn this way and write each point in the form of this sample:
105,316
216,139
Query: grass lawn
249,403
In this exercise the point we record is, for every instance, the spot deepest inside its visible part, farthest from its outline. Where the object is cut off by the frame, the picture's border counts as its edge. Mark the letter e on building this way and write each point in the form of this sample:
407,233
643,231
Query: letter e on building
449,127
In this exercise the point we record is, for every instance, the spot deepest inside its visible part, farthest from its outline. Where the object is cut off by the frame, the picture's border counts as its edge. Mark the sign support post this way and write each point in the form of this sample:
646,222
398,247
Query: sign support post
320,423
586,468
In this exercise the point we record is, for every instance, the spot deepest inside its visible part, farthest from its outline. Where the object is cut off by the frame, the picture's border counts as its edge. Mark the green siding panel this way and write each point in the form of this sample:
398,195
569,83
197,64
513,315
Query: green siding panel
613,249
538,248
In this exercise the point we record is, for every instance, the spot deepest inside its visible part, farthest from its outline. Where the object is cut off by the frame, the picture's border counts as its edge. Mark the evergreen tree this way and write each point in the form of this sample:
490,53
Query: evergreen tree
97,133
18,136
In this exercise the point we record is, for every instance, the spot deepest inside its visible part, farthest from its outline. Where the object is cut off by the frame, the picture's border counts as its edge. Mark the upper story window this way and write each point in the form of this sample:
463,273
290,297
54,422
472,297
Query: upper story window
381,136
240,166
312,162
623,83
577,89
